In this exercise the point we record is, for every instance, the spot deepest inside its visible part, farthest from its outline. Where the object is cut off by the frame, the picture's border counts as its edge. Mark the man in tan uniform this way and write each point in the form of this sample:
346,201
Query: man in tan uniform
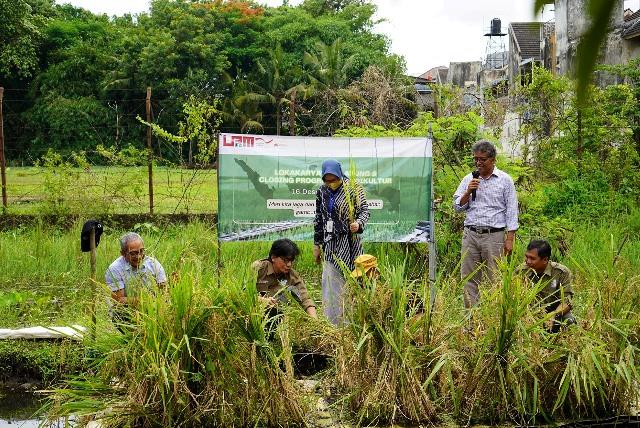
276,275
556,278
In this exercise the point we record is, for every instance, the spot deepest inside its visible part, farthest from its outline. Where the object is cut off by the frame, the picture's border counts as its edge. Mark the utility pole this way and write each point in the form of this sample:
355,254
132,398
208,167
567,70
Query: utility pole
3,164
149,150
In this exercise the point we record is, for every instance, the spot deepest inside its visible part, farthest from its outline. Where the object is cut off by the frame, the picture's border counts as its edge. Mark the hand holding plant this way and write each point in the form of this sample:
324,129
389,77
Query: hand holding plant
317,254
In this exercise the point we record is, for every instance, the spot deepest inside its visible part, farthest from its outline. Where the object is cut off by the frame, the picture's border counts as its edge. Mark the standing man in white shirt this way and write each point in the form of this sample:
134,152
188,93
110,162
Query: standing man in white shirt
488,196
130,272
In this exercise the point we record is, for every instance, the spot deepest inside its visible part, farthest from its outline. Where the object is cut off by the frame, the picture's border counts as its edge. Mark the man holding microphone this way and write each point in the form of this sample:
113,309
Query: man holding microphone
488,196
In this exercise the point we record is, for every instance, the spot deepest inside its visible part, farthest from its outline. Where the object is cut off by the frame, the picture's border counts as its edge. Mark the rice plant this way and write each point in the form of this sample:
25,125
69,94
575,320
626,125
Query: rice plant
194,355
201,353
377,360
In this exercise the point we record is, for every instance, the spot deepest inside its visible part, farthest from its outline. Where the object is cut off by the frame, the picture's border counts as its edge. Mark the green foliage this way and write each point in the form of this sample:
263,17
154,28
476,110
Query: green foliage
68,124
199,128
84,76
379,363
20,36
199,354
42,361
586,150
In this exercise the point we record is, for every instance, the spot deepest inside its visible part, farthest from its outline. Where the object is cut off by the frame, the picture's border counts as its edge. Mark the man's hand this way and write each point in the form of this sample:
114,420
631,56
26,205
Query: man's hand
311,310
268,301
507,248
354,227
548,324
316,253
473,185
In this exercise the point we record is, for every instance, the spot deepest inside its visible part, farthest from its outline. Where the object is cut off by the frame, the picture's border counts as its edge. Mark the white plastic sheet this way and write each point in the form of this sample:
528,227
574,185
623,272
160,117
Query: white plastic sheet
75,332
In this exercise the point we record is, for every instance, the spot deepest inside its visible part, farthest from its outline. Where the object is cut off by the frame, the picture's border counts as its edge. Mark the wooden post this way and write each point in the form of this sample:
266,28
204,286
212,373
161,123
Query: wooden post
432,247
149,150
92,246
3,164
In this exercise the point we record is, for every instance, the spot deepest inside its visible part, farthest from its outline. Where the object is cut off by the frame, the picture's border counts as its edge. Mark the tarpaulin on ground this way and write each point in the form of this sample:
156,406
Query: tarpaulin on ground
268,184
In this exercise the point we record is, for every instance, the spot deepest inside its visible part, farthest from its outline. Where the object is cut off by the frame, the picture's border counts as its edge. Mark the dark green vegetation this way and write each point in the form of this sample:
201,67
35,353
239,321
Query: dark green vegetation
199,355
75,81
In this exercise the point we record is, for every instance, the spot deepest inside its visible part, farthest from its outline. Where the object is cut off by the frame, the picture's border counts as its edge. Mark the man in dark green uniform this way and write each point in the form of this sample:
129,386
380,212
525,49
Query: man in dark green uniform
556,278
275,274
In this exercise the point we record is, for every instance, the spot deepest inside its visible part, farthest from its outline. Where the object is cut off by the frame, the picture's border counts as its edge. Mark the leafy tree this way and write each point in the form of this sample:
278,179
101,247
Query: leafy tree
327,74
67,124
76,64
630,72
385,99
20,36
585,148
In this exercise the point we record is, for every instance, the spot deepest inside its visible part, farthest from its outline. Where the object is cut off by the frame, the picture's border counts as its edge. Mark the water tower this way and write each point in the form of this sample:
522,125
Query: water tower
496,51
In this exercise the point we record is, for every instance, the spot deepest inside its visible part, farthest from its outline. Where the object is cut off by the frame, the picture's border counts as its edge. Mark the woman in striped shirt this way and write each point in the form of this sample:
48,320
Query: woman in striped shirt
341,216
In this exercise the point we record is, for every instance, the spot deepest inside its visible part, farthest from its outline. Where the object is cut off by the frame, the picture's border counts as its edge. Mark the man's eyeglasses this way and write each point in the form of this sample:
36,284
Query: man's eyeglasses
481,160
136,253
287,260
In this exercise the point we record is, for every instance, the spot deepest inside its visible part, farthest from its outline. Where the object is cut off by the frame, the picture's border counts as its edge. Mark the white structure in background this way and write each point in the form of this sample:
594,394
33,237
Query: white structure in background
75,332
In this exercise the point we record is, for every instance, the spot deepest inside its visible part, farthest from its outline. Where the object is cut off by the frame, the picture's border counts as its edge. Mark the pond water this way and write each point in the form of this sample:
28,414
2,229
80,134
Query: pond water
19,409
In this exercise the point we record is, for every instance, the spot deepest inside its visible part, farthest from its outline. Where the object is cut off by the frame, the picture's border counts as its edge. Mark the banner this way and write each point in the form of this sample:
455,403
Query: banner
267,185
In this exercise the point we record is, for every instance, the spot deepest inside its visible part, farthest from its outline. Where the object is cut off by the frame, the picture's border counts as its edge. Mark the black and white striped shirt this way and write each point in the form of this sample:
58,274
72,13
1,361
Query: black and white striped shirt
339,244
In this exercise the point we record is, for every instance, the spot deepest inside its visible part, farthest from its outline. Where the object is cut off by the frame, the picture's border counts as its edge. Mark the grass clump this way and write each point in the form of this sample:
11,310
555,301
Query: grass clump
378,360
195,355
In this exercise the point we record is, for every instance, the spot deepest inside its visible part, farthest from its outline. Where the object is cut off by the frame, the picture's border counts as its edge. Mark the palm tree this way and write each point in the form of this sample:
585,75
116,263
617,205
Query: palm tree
238,109
328,74
275,88
329,69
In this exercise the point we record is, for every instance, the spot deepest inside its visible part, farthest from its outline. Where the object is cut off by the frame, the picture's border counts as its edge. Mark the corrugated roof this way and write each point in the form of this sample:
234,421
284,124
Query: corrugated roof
527,36
432,74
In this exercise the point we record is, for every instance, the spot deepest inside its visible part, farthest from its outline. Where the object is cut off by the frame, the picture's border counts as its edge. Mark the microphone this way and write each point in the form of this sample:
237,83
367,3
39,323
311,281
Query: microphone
474,174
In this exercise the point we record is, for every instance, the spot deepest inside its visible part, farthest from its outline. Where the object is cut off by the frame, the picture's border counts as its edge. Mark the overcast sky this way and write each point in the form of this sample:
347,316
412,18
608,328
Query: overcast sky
427,33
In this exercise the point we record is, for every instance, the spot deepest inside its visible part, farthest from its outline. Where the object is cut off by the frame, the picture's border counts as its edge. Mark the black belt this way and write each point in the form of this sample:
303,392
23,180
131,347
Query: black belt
485,229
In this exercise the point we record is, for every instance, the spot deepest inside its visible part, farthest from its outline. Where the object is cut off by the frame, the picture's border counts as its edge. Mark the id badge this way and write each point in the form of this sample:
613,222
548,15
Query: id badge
329,227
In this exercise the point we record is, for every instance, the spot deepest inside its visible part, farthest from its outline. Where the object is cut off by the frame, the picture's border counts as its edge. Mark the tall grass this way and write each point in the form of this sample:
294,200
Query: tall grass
199,354
195,355
377,362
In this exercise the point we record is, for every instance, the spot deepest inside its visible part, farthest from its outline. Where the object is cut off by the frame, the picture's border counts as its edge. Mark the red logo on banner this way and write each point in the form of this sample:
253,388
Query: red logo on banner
238,141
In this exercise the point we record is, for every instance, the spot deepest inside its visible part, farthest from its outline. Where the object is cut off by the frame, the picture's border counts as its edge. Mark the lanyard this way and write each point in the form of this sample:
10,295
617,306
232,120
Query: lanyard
332,200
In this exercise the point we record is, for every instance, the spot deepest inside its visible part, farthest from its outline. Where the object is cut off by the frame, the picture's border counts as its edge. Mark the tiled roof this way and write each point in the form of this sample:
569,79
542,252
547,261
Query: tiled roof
634,15
632,27
527,36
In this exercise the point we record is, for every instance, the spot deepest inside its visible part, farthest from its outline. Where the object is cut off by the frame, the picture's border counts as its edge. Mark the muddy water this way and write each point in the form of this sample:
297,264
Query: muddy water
19,409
